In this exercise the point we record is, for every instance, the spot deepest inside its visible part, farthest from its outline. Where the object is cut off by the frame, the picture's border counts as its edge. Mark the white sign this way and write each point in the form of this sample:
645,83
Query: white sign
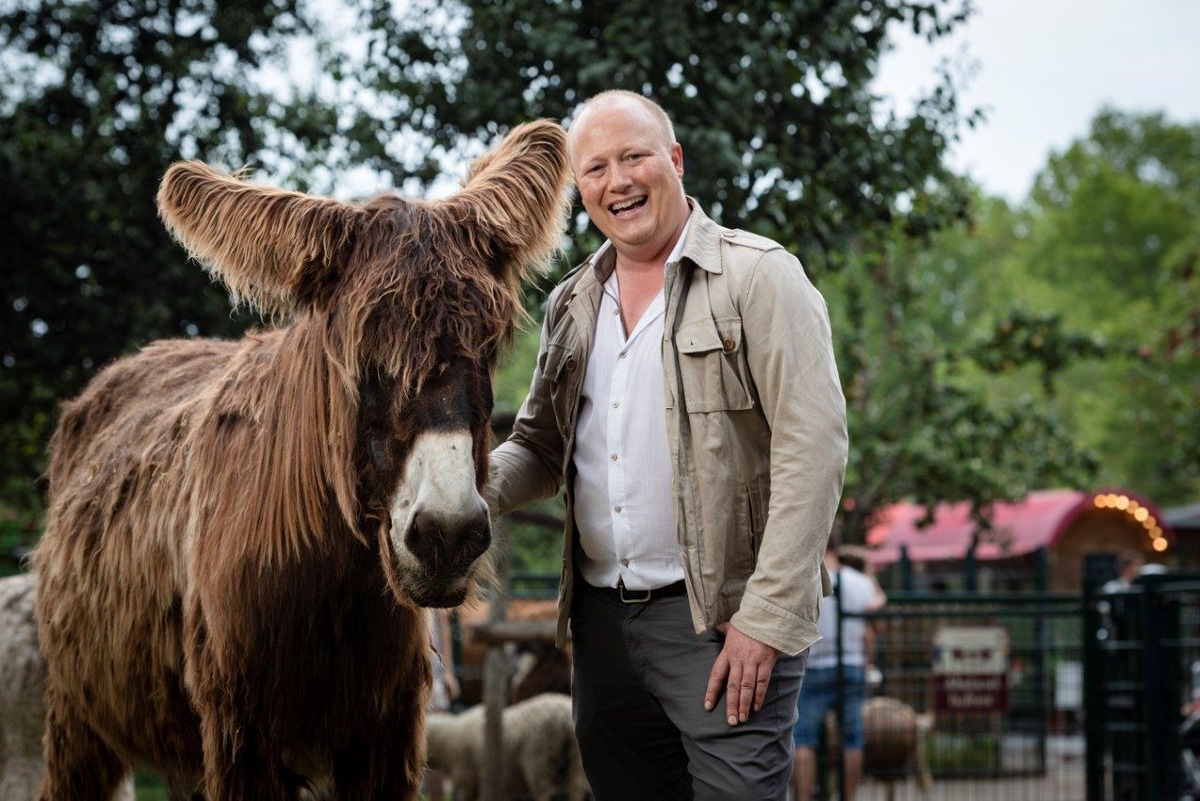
970,669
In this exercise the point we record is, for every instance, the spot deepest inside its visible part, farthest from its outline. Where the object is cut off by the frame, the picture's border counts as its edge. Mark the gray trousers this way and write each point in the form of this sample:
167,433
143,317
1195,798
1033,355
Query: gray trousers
640,673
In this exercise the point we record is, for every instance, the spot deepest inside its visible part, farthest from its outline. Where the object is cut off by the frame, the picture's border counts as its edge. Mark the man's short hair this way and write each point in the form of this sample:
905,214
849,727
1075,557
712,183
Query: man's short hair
656,111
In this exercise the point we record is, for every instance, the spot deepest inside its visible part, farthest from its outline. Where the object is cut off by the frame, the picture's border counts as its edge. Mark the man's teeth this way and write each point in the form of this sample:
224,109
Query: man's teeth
628,204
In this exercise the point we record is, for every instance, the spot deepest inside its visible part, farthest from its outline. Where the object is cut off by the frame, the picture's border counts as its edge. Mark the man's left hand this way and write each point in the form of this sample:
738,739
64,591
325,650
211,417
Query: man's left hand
744,666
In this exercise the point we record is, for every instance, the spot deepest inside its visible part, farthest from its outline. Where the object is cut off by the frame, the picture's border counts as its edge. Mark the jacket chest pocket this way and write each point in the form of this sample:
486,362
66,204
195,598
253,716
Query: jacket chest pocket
560,369
714,376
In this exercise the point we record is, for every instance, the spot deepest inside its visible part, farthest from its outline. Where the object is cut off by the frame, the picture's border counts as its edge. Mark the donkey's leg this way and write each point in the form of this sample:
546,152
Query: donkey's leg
386,763
79,765
237,766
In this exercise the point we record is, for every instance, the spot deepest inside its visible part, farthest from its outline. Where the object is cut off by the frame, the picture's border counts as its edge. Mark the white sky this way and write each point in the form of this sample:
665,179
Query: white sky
1043,68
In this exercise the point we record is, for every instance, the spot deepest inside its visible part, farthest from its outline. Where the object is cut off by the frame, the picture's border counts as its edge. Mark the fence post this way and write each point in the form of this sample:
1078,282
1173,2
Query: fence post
906,570
1093,693
1160,689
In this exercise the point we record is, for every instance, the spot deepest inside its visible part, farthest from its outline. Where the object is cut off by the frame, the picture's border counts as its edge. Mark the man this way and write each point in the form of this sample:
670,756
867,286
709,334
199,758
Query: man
856,593
686,394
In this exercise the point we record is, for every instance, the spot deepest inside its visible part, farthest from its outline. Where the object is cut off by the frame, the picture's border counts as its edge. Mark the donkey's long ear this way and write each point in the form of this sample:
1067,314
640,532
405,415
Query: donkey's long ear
273,248
518,196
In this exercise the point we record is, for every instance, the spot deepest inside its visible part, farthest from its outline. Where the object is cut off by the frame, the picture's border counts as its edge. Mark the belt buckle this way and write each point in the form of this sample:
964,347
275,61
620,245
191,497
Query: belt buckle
635,600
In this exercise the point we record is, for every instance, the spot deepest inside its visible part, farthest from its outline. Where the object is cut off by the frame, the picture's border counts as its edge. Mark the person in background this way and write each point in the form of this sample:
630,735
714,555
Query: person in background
856,557
687,396
858,593
1129,565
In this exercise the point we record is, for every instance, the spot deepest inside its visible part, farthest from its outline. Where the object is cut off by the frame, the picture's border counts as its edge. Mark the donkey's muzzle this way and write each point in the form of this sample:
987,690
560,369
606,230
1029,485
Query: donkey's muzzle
447,545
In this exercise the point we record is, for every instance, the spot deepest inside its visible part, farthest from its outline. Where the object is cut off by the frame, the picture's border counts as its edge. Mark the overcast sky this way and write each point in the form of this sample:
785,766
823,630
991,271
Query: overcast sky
1043,68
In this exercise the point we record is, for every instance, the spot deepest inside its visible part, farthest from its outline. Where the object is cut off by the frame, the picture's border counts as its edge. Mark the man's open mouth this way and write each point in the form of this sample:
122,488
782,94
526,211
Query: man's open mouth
627,205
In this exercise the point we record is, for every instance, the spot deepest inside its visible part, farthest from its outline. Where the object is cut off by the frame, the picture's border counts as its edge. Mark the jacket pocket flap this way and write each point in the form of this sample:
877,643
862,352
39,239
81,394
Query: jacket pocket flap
556,359
698,337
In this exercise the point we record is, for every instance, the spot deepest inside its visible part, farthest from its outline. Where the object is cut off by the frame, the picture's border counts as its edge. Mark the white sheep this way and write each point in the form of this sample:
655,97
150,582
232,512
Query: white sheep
22,686
541,756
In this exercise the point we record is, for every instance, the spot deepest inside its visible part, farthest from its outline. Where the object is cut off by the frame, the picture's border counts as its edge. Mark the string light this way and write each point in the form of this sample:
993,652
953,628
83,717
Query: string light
1136,512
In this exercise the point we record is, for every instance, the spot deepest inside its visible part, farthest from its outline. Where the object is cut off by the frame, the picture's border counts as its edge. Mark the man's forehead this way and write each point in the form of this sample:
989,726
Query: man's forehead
632,117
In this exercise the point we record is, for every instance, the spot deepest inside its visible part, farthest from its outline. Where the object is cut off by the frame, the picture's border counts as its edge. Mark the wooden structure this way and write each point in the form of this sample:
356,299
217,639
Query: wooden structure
1040,542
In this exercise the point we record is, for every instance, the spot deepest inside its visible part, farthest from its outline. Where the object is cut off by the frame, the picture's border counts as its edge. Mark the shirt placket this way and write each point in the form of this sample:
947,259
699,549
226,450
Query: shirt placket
622,526
622,535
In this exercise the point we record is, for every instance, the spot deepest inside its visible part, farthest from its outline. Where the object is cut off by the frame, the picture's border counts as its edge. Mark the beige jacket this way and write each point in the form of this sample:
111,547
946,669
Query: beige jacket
756,423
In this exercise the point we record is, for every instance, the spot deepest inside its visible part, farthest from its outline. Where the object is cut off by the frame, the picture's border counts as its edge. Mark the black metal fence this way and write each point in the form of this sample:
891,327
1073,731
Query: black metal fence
1143,690
990,700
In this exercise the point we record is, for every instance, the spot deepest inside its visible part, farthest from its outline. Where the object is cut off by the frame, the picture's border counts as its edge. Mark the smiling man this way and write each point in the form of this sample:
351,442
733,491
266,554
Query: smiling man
686,395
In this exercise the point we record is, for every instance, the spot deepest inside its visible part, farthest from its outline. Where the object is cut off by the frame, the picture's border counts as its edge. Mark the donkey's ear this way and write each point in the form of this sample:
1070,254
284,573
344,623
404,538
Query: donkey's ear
273,248
517,196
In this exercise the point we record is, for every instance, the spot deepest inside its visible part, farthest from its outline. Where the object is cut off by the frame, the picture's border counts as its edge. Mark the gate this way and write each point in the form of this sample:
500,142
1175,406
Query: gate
998,683
1143,690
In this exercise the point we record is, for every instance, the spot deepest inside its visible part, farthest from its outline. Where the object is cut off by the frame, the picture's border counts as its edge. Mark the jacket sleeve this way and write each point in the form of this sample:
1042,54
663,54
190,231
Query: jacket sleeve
528,466
789,350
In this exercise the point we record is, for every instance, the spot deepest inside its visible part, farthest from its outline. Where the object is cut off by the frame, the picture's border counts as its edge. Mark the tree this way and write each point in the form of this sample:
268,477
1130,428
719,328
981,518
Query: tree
772,101
1081,302
1115,245
96,99
924,425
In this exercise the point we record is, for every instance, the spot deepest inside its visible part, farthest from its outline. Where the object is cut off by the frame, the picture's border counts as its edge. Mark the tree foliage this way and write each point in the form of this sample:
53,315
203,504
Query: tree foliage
772,102
96,99
1082,301
1114,243
920,428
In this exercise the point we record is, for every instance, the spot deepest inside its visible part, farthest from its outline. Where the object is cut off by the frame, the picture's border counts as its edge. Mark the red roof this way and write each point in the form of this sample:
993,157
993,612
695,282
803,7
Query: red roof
1018,528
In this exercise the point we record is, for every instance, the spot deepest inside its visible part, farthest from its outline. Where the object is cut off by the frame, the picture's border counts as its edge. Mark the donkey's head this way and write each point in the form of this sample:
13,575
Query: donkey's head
404,305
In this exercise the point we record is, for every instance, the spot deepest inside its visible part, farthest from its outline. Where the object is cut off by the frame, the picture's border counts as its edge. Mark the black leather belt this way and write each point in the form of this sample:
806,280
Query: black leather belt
627,596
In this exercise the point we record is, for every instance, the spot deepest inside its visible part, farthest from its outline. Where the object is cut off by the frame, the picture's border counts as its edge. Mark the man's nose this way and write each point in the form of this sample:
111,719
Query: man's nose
618,178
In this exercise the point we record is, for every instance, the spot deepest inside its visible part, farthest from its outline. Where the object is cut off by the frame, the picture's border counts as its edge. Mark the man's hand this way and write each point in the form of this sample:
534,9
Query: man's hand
744,666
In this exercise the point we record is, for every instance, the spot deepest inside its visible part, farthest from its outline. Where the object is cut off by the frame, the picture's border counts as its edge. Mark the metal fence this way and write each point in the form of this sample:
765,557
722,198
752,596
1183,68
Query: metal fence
1143,690
995,689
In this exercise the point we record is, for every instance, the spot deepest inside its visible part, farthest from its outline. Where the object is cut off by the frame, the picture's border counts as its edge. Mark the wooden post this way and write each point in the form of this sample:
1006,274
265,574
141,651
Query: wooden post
497,669
496,672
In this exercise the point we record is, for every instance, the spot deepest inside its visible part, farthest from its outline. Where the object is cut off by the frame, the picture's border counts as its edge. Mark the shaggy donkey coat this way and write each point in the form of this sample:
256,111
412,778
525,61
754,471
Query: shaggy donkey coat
239,533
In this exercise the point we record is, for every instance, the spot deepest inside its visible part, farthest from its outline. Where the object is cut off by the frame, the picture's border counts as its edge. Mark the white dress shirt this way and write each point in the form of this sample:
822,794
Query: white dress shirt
623,506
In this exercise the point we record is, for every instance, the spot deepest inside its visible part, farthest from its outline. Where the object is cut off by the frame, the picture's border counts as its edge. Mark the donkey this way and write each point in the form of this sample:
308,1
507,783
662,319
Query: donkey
239,534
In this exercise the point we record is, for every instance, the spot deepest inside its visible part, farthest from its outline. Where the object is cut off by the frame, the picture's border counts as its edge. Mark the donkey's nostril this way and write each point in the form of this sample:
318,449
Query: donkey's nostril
439,541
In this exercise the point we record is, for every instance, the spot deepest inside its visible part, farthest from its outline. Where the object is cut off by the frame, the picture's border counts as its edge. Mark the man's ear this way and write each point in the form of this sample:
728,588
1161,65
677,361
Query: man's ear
273,248
517,198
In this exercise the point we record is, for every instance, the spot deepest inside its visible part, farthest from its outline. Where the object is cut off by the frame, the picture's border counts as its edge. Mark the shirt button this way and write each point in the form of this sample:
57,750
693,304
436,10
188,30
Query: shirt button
623,354
617,509
616,404
625,562
613,457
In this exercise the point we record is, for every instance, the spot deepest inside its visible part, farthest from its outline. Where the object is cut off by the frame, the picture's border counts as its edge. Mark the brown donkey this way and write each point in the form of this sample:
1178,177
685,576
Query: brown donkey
240,533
